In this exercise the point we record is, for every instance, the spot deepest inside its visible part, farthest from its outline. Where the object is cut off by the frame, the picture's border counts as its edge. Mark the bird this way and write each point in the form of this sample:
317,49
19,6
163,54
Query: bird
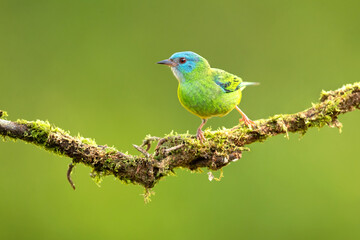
205,91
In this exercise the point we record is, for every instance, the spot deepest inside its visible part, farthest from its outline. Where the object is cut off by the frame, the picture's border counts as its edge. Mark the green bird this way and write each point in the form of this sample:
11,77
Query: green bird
204,91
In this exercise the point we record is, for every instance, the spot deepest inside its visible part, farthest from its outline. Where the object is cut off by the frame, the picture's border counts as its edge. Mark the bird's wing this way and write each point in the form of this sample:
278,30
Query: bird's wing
230,82
227,81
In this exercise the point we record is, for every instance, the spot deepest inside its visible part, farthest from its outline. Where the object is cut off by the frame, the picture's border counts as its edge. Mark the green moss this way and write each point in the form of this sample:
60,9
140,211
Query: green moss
3,114
97,177
111,150
171,134
39,133
344,91
324,95
38,130
332,106
147,195
55,129
88,141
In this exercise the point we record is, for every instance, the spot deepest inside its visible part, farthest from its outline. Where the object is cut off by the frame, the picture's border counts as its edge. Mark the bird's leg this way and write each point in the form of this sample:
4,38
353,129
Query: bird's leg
199,133
245,119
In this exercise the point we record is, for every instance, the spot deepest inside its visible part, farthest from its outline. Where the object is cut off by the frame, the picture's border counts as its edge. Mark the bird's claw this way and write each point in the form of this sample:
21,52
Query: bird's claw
247,122
200,135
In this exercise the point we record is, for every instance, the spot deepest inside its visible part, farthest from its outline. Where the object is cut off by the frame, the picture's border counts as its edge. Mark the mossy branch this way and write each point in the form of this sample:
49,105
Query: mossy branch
181,150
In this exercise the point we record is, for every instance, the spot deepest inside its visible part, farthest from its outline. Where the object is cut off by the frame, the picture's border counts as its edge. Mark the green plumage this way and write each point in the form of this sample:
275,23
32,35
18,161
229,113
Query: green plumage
213,93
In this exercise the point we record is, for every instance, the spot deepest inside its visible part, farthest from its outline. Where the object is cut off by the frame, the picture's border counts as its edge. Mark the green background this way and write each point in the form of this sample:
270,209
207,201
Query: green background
89,67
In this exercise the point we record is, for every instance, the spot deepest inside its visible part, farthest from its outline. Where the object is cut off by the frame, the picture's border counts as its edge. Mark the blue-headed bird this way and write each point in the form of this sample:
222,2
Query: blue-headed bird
204,91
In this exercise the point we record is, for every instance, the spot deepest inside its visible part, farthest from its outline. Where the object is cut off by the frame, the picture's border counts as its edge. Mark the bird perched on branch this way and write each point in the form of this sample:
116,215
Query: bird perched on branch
204,91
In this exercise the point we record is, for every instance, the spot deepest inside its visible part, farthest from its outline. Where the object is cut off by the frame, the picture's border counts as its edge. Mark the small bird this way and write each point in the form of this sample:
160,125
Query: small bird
204,91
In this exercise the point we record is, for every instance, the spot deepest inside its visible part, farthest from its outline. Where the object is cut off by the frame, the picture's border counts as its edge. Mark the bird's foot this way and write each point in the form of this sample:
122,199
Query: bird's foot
200,135
247,122
250,124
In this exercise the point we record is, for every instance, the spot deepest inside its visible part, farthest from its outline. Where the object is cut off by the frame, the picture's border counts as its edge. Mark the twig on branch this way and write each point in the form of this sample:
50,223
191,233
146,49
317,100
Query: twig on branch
68,175
180,150
143,151
174,148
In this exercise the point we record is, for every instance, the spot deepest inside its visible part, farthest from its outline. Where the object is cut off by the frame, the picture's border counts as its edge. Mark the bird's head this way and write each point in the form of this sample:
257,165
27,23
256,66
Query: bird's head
185,64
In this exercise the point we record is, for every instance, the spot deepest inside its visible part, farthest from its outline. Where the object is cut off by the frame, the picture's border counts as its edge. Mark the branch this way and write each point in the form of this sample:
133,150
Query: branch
180,150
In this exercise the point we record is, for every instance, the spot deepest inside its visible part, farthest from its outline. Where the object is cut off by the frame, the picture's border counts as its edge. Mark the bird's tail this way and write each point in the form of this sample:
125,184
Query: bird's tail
244,84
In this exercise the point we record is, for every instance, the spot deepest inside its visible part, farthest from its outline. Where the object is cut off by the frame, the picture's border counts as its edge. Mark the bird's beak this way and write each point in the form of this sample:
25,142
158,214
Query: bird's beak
167,62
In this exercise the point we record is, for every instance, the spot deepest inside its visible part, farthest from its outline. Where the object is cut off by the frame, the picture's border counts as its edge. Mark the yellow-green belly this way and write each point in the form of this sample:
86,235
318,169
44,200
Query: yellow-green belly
206,101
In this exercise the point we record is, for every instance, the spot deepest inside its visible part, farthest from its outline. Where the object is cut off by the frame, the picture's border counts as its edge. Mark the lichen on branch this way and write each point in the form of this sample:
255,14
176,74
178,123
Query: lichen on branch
179,150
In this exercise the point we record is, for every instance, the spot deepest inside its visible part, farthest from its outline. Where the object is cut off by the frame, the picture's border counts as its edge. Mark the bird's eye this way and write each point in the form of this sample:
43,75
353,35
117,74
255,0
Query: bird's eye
182,60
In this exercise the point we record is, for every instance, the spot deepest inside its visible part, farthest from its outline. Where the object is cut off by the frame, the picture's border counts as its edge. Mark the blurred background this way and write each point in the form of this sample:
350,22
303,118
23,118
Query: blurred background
89,67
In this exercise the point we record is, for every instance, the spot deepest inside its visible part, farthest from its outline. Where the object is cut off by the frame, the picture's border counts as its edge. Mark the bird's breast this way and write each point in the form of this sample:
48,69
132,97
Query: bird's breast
206,99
